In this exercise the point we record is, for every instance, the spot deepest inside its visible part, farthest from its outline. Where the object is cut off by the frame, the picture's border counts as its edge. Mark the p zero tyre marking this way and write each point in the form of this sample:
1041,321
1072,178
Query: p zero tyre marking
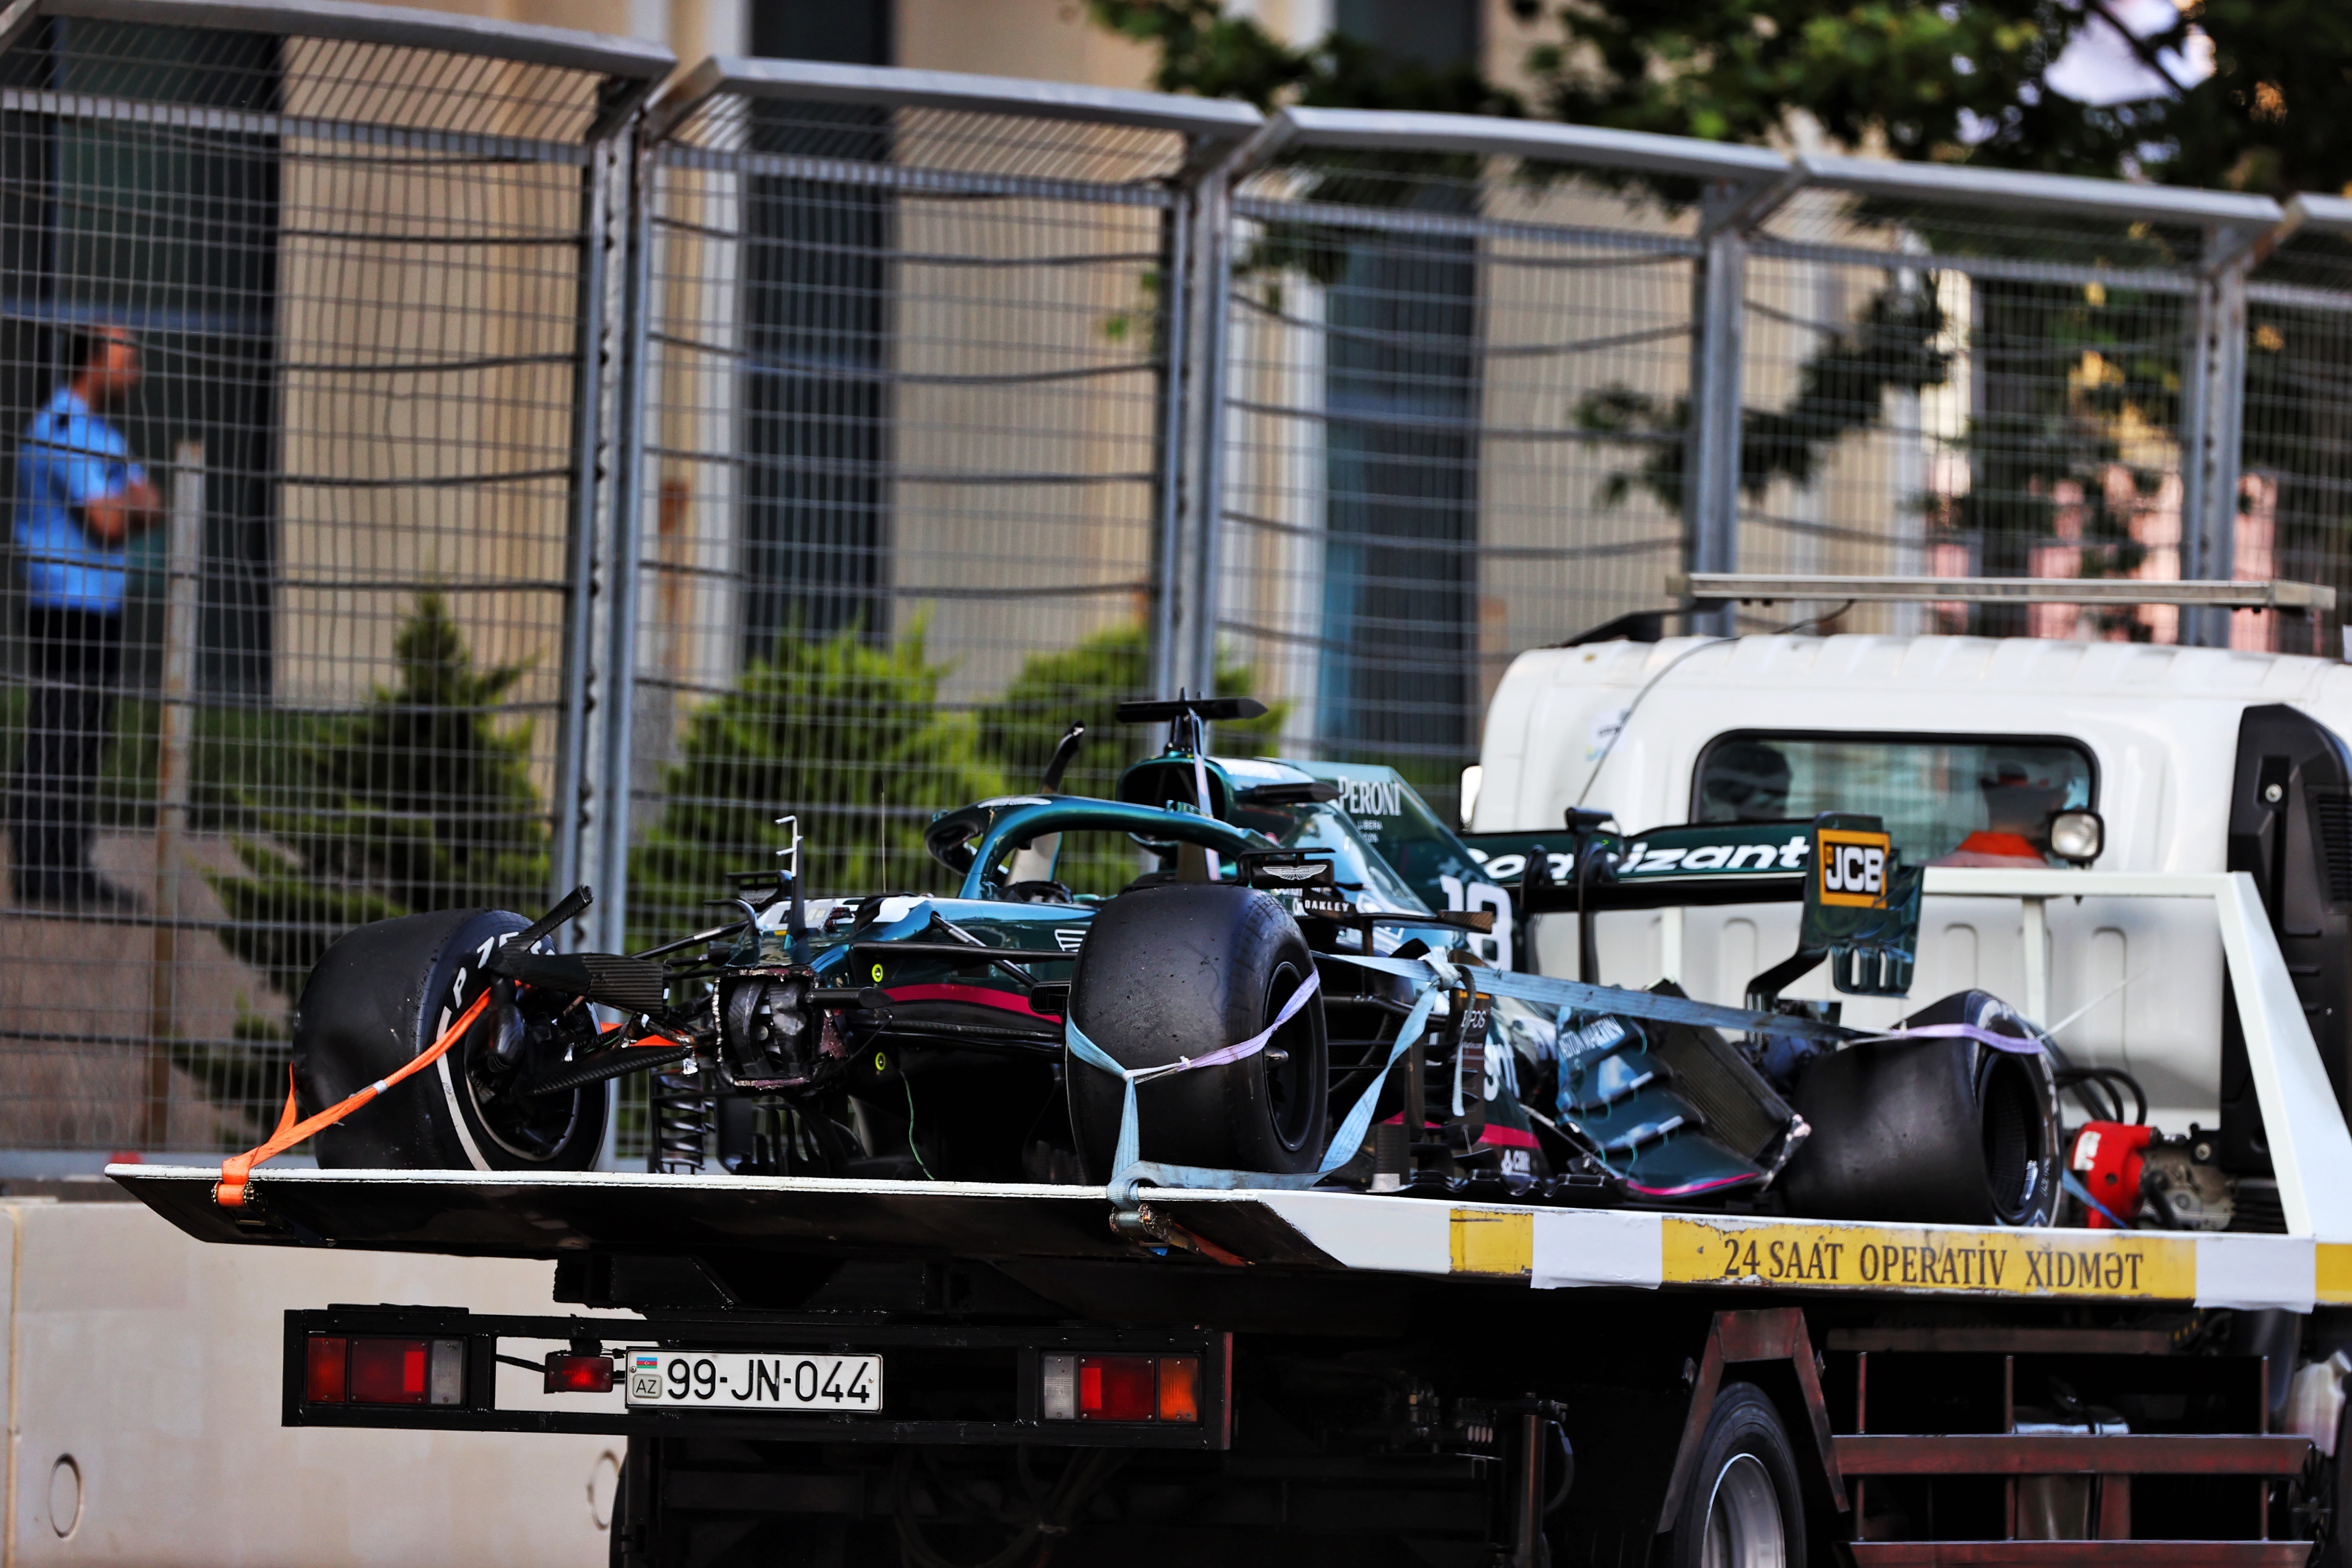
457,1117
449,1084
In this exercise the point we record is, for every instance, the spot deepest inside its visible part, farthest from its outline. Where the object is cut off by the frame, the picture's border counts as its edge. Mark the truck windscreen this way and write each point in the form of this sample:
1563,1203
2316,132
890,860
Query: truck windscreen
1957,799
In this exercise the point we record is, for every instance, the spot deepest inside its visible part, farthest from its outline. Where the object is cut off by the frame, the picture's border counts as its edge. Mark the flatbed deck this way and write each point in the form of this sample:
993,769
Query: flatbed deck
1309,1234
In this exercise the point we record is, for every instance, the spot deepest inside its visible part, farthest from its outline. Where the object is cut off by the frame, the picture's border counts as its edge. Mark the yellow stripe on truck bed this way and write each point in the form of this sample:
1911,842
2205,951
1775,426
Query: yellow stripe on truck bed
1590,1248
1919,1258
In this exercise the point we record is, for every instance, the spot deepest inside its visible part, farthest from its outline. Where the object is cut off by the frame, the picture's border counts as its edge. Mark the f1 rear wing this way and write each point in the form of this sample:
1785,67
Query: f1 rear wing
1689,863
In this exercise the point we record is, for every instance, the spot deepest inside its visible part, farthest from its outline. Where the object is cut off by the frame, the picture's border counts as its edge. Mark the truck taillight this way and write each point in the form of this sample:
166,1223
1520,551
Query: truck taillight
1119,1388
368,1371
1180,1388
323,1381
389,1371
568,1374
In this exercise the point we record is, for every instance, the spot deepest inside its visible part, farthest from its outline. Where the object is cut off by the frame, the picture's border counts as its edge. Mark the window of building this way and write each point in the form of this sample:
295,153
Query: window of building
1401,582
815,311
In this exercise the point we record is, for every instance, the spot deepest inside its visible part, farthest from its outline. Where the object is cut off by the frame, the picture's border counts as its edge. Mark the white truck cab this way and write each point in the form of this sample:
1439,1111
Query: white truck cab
2198,760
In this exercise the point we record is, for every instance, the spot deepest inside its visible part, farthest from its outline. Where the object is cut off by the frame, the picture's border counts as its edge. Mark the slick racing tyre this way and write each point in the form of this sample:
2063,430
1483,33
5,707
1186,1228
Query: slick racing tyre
1742,1508
1939,1129
381,996
1178,971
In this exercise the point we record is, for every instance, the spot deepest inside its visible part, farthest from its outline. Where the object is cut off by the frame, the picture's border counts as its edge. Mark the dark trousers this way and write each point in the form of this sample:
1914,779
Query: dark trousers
74,659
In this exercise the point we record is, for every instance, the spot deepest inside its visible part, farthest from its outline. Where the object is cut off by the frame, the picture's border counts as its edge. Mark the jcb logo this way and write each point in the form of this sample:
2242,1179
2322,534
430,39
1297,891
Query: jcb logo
1854,869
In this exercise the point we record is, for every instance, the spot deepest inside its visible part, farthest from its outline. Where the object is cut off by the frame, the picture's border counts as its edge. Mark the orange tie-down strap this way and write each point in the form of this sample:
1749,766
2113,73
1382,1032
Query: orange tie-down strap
238,1170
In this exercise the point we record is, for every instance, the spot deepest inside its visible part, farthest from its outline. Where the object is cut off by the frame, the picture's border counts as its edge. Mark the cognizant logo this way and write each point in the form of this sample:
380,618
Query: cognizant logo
1640,859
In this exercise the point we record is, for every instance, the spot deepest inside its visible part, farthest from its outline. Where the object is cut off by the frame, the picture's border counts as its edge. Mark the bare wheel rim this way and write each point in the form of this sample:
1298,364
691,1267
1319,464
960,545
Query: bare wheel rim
1744,1529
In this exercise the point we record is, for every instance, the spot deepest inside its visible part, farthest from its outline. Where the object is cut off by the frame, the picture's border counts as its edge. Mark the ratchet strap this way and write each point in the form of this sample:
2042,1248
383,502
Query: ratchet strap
1432,975
1086,1050
1129,1171
236,1170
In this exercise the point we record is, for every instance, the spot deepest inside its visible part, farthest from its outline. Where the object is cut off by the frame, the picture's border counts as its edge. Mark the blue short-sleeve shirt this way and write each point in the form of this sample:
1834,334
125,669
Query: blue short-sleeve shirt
70,458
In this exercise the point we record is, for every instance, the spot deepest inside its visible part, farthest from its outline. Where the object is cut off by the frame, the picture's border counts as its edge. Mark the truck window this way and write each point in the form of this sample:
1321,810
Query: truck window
1982,799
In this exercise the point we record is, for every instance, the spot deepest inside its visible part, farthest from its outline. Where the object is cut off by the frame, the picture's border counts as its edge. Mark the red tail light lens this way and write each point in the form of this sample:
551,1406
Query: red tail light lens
578,1373
388,1372
323,1381
1117,1387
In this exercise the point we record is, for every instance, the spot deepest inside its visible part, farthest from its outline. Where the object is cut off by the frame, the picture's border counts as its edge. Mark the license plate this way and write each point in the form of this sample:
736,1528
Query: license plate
731,1380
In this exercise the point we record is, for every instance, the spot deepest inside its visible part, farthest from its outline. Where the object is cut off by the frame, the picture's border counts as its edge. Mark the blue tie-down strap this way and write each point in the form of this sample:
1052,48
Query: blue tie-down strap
1130,1171
1431,974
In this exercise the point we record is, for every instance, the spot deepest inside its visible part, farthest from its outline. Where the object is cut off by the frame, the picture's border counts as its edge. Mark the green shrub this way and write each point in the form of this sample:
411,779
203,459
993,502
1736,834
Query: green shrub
843,734
421,800
1084,685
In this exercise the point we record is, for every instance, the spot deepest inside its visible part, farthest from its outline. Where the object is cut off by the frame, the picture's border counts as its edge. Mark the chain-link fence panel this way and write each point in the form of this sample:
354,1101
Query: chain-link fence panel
1460,355
294,354
1996,377
2294,517
1487,387
905,469
904,485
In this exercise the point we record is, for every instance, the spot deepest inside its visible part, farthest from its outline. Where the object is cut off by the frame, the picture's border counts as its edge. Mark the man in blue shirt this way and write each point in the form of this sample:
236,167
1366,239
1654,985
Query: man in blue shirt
79,497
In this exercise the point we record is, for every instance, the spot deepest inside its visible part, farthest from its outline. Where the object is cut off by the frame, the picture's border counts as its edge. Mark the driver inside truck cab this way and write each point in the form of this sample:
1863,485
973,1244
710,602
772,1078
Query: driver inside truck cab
2021,794
1745,781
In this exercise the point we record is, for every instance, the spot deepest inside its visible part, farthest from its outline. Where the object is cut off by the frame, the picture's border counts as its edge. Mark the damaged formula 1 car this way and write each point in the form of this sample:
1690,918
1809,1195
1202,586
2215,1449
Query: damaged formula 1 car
1267,1000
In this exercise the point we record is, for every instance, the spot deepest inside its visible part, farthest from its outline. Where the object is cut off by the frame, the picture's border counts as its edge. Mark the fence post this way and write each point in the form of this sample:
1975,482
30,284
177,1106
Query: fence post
1175,346
1711,461
175,721
2212,423
592,355
617,764
1212,259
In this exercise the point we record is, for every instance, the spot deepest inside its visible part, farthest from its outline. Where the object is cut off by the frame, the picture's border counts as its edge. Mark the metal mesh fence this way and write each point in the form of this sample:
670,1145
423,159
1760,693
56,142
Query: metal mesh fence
1427,457
937,405
909,408
1936,388
292,344
2294,520
908,417
1468,393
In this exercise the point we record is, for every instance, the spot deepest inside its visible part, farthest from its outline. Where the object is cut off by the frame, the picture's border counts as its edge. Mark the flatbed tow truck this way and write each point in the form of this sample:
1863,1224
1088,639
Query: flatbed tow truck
849,1370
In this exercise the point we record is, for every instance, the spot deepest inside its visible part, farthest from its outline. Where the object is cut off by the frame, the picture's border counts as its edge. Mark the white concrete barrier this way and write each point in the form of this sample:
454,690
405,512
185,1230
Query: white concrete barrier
142,1380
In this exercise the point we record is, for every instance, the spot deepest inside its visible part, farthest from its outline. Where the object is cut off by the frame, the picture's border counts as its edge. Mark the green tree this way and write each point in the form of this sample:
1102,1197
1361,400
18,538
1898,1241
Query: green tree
1949,81
421,800
847,736
1960,81
1084,685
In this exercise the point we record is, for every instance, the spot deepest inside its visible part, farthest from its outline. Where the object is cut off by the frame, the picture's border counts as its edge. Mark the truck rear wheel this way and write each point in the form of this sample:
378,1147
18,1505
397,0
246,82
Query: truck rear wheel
1178,970
379,997
1742,1509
